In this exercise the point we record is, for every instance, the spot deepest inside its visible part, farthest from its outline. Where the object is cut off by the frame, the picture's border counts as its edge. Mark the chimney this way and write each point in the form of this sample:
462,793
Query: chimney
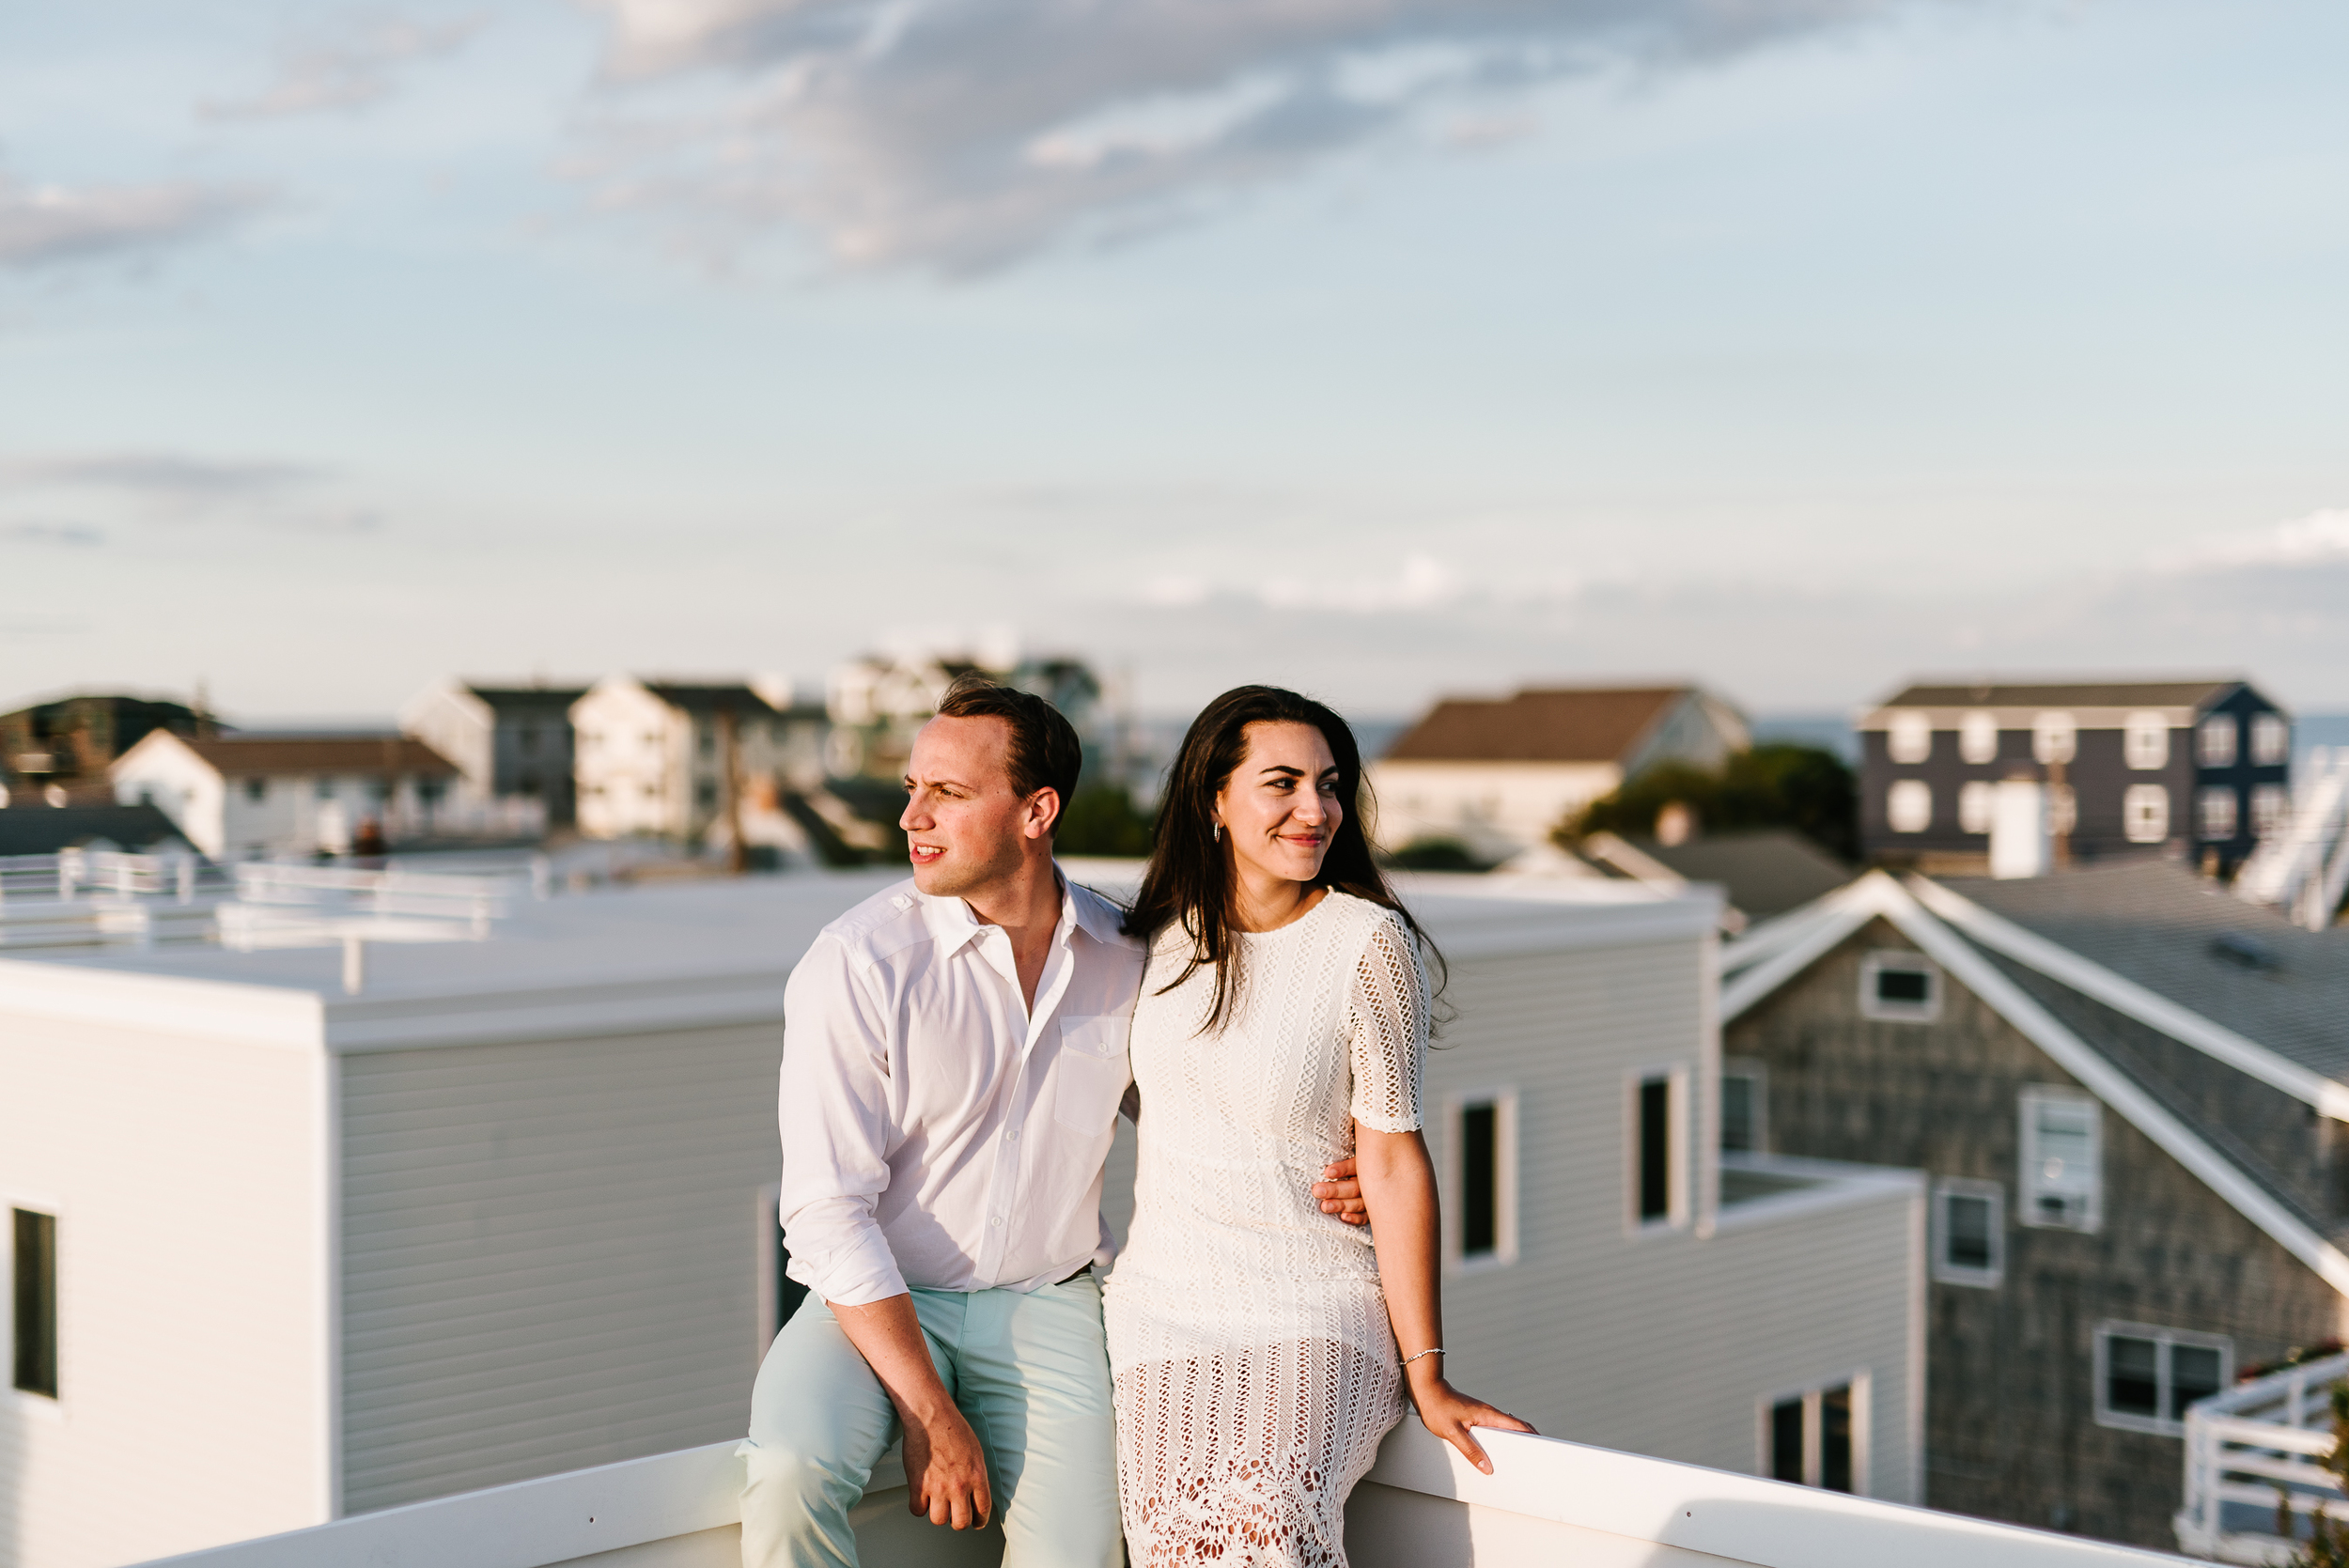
2020,844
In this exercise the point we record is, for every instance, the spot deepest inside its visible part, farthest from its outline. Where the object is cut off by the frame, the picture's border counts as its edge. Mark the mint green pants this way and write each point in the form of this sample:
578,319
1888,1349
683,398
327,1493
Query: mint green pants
1030,1372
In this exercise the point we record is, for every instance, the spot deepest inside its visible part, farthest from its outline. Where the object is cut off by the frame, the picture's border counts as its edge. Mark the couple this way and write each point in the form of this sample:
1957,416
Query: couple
955,1054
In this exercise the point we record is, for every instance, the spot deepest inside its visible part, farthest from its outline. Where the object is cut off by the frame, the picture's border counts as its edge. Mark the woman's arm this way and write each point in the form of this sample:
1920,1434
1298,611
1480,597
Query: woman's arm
1399,1190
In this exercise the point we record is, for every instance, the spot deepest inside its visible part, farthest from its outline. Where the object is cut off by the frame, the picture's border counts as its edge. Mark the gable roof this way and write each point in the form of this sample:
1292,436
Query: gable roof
1765,872
246,756
558,697
713,698
2077,693
1563,725
2099,1026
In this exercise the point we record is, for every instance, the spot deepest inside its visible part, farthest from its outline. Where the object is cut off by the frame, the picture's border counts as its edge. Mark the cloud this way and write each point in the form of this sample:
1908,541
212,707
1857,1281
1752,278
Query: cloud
960,134
2320,536
71,533
347,72
52,225
171,488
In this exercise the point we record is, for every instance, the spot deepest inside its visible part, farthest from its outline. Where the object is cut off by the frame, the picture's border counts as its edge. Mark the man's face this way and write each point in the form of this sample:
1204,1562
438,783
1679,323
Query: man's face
964,827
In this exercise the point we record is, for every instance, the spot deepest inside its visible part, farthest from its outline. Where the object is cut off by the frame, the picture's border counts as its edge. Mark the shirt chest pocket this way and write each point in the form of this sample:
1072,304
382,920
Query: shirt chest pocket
1092,1073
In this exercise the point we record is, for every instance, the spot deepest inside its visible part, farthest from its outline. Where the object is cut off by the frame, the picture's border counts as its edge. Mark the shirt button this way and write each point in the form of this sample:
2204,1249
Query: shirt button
1013,1135
996,1220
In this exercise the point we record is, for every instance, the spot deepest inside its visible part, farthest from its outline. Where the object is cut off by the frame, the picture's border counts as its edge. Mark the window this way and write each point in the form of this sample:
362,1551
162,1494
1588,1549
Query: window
2146,1378
2063,1159
1482,1136
2214,743
35,1315
1909,736
1819,1437
2271,740
2053,738
2145,740
325,789
1968,1232
2218,807
529,740
1658,1150
1978,738
2145,814
428,791
1908,806
256,790
1976,803
705,794
2271,809
1745,1106
1898,986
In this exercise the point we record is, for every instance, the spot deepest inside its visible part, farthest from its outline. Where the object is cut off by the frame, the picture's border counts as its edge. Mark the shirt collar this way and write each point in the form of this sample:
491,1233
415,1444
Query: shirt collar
954,927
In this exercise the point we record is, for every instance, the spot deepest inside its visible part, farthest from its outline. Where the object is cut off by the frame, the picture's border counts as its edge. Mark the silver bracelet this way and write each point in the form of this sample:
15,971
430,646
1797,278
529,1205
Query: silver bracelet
1432,1350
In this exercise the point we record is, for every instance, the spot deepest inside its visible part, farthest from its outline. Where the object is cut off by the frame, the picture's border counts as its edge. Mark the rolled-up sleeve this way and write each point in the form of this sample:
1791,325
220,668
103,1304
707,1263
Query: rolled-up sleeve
834,1114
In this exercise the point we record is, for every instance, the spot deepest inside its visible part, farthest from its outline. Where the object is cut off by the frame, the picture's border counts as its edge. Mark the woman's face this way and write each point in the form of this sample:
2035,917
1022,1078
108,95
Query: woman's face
1280,807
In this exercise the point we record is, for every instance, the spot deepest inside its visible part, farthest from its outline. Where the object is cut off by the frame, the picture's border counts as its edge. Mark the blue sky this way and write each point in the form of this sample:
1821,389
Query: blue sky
1384,349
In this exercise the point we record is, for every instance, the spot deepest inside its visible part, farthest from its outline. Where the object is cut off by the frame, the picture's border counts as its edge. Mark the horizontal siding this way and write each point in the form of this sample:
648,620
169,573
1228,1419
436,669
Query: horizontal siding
1657,1344
550,1254
185,1176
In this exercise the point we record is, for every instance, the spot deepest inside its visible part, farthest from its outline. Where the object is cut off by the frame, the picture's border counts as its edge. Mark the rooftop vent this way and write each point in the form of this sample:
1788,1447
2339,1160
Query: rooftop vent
2233,947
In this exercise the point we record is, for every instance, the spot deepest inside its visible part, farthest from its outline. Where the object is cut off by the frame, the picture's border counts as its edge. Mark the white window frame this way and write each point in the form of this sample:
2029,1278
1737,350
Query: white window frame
2145,741
1755,1071
2217,740
1898,817
1977,806
2213,825
1906,961
1677,1076
2030,1181
1908,737
2128,1421
1505,1103
2271,809
1978,738
2145,814
2271,740
2054,736
1862,1387
1949,1273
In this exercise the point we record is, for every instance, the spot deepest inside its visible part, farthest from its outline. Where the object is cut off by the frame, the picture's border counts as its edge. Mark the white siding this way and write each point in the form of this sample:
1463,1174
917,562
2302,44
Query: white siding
183,1173
550,1254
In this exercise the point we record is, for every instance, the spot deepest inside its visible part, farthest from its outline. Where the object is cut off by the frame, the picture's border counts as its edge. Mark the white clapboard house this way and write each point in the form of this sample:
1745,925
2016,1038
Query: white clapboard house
342,1227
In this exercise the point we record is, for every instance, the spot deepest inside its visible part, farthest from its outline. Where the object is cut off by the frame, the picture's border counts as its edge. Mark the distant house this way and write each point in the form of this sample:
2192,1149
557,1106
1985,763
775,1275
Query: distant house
508,743
2128,1091
2197,767
1763,873
876,704
651,754
256,797
58,752
1501,775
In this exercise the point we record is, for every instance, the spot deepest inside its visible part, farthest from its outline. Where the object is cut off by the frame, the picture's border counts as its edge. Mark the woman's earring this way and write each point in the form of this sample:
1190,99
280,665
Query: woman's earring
1219,833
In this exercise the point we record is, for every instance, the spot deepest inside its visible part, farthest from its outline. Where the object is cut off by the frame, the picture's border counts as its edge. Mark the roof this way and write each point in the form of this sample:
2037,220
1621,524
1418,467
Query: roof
695,698
1567,725
528,697
1764,873
2074,693
240,756
47,830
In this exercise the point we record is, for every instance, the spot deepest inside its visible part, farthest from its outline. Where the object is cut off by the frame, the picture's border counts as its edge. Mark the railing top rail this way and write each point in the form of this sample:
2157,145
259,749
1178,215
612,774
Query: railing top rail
2276,1388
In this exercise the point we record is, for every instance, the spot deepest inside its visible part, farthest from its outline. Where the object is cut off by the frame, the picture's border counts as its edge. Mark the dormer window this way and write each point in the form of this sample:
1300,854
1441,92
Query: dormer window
2215,742
2145,740
1978,738
2271,740
1909,737
2053,737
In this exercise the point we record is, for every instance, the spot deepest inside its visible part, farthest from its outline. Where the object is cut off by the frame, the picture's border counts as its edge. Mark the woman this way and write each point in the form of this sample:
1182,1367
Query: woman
1283,1022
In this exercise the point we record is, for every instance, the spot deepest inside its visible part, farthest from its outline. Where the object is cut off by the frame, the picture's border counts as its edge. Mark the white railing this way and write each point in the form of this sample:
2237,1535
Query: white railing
1421,1507
2303,867
2252,1447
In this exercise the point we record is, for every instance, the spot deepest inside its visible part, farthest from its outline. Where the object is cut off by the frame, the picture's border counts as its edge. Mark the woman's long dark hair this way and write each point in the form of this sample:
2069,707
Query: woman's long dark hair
1191,877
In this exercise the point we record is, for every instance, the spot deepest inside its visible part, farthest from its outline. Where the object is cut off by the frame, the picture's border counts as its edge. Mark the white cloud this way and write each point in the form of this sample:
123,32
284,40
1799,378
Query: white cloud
348,70
960,134
163,486
48,225
1420,583
2322,536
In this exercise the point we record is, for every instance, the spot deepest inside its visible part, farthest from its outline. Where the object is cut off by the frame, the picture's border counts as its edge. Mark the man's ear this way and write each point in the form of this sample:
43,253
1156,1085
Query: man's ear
1043,811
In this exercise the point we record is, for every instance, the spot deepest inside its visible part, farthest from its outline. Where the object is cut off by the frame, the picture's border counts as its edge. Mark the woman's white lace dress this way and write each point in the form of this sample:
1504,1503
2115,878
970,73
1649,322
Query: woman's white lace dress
1256,1370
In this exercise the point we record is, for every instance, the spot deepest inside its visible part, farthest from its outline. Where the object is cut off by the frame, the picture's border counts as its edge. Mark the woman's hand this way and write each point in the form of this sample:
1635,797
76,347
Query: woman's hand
1449,1413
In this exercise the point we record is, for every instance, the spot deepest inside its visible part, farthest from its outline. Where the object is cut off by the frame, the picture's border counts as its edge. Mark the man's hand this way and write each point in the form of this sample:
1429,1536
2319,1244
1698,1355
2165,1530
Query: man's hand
946,1472
1340,1194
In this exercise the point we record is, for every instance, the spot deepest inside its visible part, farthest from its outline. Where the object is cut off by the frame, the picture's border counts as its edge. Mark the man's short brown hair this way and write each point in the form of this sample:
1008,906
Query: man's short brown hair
1044,753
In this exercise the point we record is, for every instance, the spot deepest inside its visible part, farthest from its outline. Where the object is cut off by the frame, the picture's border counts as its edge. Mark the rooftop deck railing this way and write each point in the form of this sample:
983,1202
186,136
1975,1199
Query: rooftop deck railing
2252,1447
1421,1507
2302,867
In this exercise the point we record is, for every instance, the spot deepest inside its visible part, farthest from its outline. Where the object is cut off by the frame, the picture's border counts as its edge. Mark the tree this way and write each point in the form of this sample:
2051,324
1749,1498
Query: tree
1104,820
1776,786
2329,1542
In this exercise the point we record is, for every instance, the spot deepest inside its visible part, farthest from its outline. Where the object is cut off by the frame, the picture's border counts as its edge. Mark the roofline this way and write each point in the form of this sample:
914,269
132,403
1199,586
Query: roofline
2127,997
1876,895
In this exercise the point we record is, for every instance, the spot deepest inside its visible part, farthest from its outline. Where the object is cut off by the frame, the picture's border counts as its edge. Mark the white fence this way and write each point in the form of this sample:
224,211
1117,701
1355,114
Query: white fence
2251,1447
2302,868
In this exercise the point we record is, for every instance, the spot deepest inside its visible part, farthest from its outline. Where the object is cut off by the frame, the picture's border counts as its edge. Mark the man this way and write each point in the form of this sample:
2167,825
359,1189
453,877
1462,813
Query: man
953,1061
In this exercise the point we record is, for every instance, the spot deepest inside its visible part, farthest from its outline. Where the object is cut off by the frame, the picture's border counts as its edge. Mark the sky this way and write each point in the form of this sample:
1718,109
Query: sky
1382,347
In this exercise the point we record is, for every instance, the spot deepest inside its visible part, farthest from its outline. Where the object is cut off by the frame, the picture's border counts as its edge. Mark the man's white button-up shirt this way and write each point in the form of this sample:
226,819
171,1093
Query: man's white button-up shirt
938,1132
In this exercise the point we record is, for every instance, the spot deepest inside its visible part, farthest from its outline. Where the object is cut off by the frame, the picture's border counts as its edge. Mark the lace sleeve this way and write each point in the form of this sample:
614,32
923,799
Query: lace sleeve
1387,1030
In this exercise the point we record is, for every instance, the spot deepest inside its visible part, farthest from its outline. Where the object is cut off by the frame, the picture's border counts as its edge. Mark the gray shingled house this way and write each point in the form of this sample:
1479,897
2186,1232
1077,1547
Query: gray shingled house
2126,1087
